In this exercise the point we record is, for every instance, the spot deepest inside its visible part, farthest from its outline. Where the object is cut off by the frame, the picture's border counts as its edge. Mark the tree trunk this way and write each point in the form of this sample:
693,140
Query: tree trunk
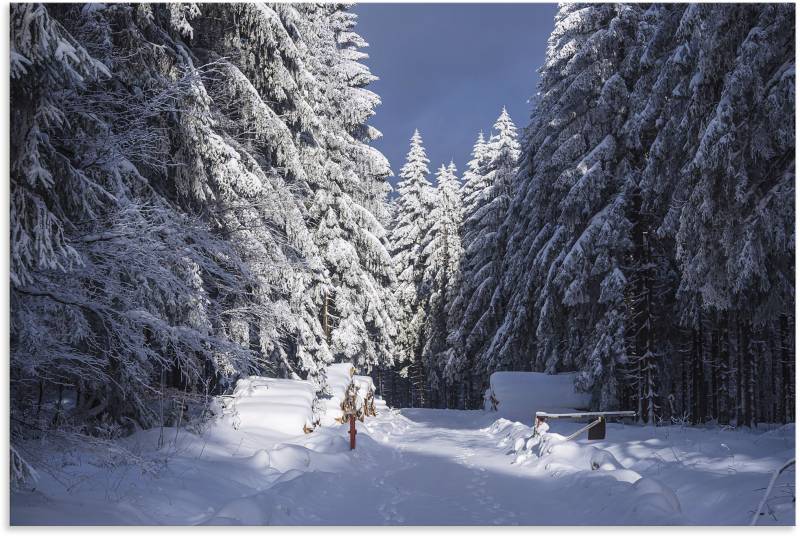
725,364
715,368
787,373
326,327
698,377
740,374
41,398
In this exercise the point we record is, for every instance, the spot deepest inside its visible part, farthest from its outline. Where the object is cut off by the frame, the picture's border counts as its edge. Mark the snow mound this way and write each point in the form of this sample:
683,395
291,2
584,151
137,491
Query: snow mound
273,405
259,460
577,456
243,511
519,395
285,457
648,500
654,499
323,451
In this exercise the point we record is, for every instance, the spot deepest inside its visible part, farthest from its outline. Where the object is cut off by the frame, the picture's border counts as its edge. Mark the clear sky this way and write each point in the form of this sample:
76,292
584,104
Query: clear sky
448,69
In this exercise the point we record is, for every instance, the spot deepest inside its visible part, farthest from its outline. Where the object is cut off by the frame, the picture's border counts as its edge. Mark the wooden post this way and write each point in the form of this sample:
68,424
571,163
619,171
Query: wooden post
539,420
352,431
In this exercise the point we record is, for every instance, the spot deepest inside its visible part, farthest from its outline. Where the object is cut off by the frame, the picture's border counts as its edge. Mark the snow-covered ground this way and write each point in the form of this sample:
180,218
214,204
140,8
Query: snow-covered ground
418,466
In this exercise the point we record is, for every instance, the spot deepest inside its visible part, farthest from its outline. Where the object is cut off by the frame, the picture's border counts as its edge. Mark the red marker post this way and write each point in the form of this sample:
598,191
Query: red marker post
352,432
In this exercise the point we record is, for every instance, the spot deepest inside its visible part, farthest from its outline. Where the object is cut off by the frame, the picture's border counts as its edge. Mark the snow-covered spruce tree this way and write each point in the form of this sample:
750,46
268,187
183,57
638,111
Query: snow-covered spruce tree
484,249
314,87
356,197
442,254
129,304
326,105
457,371
567,227
648,178
473,181
412,223
167,162
244,170
735,227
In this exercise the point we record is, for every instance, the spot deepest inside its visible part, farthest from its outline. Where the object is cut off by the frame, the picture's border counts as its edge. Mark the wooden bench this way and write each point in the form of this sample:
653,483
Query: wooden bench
596,428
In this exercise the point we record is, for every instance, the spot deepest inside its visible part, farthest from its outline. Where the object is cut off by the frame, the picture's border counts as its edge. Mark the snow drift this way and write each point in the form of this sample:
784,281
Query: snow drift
649,500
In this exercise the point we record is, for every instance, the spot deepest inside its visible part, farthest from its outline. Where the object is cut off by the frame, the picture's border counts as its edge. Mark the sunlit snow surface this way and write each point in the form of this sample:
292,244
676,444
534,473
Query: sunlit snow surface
419,466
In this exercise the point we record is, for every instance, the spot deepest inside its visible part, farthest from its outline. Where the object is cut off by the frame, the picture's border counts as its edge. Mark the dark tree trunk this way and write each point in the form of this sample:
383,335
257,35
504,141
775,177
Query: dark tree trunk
787,373
725,368
741,348
698,376
714,362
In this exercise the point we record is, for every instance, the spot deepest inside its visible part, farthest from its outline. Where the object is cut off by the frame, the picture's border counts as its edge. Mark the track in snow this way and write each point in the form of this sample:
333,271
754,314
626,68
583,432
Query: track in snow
422,467
439,467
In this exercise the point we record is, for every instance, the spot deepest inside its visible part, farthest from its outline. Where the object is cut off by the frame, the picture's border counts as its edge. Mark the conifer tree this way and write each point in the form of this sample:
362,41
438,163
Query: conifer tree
487,207
412,223
442,254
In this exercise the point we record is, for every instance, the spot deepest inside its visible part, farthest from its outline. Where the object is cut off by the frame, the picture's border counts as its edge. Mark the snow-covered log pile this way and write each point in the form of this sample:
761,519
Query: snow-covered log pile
338,378
272,405
365,395
341,382
518,395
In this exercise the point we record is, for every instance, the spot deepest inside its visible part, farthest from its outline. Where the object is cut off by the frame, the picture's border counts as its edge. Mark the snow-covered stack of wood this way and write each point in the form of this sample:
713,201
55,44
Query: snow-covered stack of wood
366,396
519,395
272,405
346,389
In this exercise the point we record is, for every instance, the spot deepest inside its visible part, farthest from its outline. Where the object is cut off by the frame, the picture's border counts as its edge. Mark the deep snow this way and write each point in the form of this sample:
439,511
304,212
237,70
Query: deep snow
418,466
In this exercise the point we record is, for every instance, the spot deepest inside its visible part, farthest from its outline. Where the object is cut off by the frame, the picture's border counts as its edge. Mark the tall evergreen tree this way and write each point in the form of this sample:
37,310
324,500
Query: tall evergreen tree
486,209
442,254
189,183
412,222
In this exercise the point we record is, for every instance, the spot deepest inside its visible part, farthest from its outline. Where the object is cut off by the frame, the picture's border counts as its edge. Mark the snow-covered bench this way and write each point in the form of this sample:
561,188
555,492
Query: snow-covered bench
517,395
596,428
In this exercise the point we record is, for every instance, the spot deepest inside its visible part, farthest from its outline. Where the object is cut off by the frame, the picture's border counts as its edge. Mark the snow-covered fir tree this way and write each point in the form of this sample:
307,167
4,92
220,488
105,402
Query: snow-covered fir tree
191,187
412,223
442,253
632,250
486,207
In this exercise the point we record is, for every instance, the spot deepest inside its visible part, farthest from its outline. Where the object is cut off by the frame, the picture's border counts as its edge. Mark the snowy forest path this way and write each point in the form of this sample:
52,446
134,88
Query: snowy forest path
424,467
445,459
440,467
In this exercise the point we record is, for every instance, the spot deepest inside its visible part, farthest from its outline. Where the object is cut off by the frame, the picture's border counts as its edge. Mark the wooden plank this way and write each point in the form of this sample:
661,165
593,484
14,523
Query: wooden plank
586,414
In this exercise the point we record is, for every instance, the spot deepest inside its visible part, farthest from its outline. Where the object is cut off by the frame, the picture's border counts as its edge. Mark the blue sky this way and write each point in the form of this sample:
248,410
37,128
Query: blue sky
448,69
